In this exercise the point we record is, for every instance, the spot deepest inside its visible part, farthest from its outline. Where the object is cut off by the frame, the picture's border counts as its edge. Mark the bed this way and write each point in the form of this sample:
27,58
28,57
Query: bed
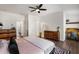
31,45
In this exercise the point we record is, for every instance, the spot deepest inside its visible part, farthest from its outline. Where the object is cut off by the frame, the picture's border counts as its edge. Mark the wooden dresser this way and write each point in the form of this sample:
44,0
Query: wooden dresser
7,33
51,35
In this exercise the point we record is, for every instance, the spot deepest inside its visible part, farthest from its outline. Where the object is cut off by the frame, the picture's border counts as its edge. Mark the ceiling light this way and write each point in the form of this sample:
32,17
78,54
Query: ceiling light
37,9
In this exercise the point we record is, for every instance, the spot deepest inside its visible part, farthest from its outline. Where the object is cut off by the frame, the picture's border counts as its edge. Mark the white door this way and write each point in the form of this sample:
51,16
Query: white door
19,28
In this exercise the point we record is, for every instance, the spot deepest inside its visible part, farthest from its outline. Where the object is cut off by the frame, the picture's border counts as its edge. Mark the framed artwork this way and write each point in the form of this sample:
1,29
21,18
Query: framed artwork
72,22
68,22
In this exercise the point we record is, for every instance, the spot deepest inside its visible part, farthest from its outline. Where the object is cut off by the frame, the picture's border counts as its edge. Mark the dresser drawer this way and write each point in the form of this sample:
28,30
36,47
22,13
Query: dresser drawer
51,35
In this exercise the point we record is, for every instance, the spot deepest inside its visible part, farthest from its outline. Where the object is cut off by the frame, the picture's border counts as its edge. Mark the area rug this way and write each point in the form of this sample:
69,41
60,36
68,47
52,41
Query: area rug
59,50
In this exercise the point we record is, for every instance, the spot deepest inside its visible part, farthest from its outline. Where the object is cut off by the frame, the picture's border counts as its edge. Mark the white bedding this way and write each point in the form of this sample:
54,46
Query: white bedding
26,47
44,44
31,44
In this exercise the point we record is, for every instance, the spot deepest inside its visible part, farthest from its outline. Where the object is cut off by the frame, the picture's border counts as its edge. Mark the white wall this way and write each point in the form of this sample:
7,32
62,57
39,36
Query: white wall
52,21
33,25
73,16
9,18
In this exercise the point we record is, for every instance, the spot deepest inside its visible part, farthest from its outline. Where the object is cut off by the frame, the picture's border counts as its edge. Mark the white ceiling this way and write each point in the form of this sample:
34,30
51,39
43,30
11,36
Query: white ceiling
24,8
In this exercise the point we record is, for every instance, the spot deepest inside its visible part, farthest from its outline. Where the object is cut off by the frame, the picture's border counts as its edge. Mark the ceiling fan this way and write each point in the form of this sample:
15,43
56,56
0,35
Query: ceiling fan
38,8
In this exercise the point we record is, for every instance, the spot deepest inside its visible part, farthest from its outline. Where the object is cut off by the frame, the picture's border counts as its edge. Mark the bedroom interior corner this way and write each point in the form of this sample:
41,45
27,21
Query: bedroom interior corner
39,32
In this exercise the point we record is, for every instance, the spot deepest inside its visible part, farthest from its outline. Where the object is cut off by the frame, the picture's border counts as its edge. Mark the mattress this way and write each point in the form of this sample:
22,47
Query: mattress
26,47
44,44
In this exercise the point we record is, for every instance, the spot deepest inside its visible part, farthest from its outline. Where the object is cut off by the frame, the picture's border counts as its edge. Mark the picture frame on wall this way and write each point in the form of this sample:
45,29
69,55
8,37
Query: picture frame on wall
72,22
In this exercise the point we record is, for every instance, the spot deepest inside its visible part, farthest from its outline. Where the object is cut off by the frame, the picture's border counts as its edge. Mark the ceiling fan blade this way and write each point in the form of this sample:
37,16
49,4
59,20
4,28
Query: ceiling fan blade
38,11
32,7
32,10
40,5
43,9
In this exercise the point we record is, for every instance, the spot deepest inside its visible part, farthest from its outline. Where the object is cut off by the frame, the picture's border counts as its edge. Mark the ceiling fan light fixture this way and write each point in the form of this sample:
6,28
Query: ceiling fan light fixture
37,10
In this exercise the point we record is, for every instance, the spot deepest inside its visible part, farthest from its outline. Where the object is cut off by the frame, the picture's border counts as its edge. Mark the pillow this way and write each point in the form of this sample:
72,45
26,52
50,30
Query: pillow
12,47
